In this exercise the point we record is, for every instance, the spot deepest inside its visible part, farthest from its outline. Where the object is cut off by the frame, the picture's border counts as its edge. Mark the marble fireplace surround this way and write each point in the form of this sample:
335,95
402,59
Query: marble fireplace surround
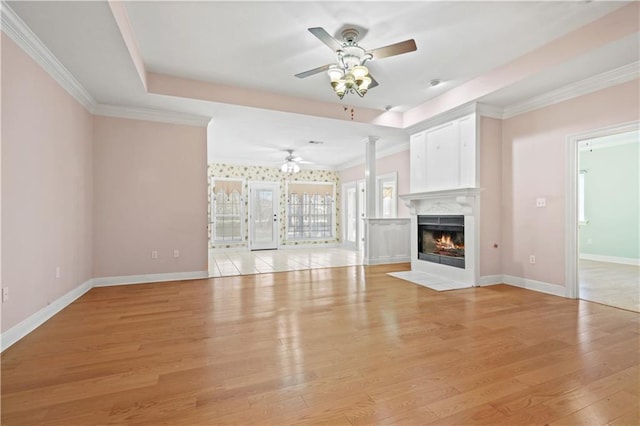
463,201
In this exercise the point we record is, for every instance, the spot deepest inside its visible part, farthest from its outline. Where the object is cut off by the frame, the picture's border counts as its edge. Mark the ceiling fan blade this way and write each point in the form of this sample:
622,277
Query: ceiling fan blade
326,38
313,71
374,83
394,49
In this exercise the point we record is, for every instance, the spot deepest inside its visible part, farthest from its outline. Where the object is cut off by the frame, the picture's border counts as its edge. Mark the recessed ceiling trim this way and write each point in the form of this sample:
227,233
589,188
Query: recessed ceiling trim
22,35
124,26
614,26
163,84
589,85
148,114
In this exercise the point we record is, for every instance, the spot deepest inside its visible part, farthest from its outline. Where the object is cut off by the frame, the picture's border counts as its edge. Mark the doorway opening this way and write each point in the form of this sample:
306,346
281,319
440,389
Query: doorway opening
603,217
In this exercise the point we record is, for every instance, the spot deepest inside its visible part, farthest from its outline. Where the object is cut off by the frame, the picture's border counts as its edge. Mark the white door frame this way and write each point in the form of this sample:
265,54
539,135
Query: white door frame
276,212
572,289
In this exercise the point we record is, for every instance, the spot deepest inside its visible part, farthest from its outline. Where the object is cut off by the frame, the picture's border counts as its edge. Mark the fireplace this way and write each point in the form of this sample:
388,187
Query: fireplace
441,240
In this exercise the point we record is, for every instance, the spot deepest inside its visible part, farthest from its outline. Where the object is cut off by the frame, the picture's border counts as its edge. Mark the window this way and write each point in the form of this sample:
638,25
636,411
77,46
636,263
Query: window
387,200
310,210
227,205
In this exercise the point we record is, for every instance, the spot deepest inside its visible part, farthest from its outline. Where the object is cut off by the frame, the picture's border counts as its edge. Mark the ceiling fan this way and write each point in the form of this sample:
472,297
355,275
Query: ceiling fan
291,163
349,74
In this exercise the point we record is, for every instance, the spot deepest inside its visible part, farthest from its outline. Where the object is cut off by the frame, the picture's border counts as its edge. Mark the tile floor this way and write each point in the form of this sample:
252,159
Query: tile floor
243,262
434,282
611,284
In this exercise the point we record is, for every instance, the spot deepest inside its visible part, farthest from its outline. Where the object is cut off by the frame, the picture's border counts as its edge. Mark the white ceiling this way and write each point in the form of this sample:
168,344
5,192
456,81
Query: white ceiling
261,45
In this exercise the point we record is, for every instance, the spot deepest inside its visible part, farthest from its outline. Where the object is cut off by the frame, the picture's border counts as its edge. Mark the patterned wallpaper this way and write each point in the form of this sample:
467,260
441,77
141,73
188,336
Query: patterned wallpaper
273,174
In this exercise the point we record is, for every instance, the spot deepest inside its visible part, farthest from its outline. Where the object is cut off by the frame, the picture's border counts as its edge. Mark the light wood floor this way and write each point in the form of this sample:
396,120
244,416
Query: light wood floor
610,283
335,346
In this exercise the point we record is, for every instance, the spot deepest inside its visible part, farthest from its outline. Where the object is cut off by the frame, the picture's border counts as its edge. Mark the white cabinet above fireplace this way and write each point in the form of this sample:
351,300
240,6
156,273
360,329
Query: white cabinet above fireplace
444,157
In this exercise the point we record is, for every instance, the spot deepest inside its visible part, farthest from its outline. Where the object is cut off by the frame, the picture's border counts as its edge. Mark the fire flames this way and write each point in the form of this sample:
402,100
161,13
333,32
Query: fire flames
446,243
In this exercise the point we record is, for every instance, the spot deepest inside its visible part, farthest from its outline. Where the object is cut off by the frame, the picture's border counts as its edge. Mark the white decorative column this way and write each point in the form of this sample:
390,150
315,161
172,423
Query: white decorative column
370,194
370,177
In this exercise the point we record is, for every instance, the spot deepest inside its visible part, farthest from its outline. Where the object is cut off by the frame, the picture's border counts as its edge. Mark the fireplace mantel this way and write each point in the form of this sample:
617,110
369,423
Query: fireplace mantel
461,200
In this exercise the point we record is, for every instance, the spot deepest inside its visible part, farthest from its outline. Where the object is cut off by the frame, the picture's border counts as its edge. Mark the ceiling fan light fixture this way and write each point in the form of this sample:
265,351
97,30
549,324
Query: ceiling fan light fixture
340,88
359,72
364,84
290,167
335,73
348,74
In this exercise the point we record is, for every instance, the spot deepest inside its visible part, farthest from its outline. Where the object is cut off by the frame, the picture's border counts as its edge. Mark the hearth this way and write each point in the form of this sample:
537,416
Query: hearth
441,239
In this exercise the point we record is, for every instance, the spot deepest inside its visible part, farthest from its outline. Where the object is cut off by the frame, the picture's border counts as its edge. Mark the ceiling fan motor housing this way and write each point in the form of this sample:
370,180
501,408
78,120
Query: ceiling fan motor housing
350,35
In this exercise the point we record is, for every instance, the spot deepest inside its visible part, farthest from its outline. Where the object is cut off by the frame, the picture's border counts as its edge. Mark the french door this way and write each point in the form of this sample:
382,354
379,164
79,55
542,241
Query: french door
263,215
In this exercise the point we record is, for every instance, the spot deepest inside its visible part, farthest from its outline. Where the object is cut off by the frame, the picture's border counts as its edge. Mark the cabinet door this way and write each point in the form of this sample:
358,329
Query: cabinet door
442,157
467,138
417,164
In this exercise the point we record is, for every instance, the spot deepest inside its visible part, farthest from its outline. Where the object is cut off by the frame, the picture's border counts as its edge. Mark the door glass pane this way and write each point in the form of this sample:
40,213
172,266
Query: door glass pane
263,216
351,214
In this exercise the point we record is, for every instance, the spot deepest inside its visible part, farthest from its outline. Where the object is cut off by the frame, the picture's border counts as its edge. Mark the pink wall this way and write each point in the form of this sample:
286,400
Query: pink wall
150,186
46,188
533,166
392,163
491,196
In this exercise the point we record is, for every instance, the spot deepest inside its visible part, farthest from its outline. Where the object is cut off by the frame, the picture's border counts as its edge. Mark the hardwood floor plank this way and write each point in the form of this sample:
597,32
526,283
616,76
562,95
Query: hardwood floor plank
339,346
600,412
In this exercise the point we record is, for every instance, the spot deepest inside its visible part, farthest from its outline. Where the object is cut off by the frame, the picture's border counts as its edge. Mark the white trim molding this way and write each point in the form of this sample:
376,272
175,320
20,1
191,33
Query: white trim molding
525,283
610,259
149,278
29,42
583,87
571,194
34,321
486,280
22,35
149,114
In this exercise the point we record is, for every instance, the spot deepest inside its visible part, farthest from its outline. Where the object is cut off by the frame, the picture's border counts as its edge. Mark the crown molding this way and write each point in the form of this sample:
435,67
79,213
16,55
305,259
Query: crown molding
583,87
491,111
149,114
29,42
22,35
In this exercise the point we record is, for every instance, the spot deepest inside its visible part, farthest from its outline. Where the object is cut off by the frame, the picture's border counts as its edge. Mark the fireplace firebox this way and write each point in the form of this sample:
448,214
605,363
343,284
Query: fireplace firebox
441,239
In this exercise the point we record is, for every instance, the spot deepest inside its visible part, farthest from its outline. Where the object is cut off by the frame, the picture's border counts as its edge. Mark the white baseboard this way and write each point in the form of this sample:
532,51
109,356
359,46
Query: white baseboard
610,259
149,278
542,287
387,260
491,280
34,321
29,324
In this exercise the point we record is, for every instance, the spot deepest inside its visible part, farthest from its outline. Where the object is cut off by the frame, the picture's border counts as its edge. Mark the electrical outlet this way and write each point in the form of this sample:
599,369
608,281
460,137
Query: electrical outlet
57,272
532,259
154,254
590,241
176,253
5,294
541,202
